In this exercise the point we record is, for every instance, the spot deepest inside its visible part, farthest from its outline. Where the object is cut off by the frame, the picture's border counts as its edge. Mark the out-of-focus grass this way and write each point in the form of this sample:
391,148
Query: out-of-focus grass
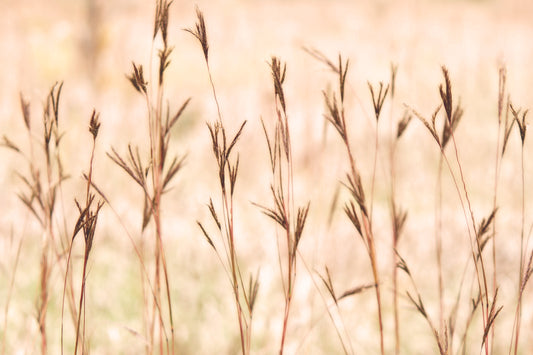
41,43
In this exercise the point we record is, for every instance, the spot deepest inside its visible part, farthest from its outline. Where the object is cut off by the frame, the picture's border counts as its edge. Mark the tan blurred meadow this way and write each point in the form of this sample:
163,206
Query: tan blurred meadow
433,257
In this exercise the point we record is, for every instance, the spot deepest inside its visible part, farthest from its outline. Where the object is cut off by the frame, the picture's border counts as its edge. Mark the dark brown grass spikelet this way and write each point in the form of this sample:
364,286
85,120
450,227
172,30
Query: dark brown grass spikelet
350,292
399,218
214,214
508,125
136,79
430,126
329,284
25,107
349,209
206,235
87,222
520,121
451,125
334,116
355,291
342,76
200,33
222,152
527,273
94,124
301,217
446,94
133,166
356,189
277,213
483,235
51,117
493,313
278,76
161,19
271,148
164,62
404,122
379,98
401,264
253,290
419,305
321,57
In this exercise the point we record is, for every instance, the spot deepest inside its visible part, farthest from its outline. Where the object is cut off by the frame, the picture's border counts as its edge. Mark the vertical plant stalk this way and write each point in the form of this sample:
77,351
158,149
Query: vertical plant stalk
393,208
356,209
377,100
452,117
86,223
9,294
502,76
520,118
398,215
282,187
154,177
438,242
42,185
227,172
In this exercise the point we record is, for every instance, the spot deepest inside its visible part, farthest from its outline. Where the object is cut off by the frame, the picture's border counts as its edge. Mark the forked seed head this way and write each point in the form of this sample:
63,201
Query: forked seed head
301,217
520,121
136,79
200,33
446,94
451,125
278,75
161,19
378,99
335,116
343,71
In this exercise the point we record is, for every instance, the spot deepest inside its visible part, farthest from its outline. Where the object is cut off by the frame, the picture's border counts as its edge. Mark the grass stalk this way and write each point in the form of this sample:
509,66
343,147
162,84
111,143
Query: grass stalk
359,216
502,77
161,173
228,166
291,221
520,118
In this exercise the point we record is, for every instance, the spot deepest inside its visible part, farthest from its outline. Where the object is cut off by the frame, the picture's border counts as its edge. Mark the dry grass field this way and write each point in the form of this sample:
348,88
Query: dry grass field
318,229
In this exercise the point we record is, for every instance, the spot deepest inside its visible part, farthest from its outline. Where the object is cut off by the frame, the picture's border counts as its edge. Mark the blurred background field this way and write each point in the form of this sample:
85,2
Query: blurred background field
91,44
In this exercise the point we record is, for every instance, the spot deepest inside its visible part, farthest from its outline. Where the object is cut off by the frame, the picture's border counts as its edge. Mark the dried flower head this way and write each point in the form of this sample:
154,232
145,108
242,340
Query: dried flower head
200,33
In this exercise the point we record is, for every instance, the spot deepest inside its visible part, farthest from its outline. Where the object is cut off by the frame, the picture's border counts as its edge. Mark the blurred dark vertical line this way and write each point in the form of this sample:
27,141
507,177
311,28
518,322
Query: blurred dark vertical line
91,47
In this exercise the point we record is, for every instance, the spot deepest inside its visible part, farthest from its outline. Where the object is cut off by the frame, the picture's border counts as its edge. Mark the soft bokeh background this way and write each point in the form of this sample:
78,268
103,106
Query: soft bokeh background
90,45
